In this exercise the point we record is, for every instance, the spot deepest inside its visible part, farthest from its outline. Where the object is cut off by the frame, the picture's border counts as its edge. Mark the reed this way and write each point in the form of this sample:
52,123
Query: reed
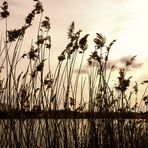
38,91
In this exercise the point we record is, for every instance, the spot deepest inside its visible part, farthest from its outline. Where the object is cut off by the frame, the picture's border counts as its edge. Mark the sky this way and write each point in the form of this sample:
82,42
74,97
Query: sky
124,20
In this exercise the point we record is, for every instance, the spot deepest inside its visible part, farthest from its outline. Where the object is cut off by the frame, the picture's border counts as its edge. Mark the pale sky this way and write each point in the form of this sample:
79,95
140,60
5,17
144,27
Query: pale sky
124,20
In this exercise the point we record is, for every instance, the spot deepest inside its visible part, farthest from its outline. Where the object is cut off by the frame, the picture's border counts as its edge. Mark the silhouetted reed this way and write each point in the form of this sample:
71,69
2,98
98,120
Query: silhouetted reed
29,97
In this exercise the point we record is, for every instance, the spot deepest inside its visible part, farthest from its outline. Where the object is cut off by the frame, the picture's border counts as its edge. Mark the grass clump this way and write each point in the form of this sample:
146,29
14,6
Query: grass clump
37,90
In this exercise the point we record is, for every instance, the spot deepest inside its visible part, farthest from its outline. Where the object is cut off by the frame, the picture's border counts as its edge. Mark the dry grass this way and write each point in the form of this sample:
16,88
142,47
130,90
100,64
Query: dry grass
40,89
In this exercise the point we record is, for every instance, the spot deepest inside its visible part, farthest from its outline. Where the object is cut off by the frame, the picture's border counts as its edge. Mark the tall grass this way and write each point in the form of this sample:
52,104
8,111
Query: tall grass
37,88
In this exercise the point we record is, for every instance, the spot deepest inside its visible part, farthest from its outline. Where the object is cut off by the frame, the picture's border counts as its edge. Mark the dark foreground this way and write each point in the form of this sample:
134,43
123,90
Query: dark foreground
62,114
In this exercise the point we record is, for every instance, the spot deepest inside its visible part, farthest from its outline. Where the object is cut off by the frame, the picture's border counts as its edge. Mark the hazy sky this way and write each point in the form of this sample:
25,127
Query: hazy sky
124,20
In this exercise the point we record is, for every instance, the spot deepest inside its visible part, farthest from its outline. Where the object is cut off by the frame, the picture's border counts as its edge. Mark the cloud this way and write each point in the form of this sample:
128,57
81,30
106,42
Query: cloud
117,62
135,63
85,68
124,59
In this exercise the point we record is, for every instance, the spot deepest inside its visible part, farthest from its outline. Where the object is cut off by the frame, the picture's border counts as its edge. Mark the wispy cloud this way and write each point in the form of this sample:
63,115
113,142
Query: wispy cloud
135,64
121,62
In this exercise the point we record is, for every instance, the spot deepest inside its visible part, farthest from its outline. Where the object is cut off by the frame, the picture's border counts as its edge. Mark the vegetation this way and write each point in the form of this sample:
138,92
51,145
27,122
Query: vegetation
29,98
